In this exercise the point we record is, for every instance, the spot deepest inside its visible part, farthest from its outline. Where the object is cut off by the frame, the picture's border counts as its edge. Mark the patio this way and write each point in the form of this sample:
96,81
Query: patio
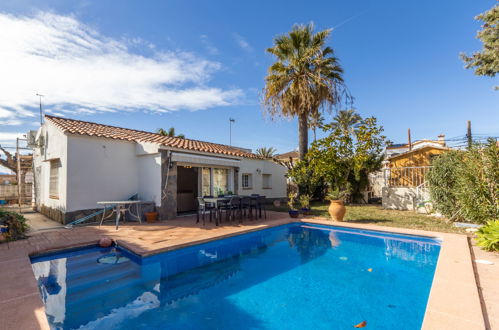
22,308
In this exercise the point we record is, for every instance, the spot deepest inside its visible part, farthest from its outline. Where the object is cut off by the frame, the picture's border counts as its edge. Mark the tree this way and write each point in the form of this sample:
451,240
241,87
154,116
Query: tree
10,162
170,133
345,157
346,120
266,152
305,79
486,61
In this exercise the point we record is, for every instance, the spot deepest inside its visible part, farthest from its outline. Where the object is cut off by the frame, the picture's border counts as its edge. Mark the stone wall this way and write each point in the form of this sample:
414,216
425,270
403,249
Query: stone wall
52,213
68,217
168,208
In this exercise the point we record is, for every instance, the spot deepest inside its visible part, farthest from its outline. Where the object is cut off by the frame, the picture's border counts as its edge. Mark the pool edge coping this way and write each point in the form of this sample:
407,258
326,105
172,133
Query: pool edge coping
453,303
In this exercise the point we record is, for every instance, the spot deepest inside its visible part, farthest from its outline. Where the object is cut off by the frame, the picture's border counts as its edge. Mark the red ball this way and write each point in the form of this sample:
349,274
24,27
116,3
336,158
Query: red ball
105,242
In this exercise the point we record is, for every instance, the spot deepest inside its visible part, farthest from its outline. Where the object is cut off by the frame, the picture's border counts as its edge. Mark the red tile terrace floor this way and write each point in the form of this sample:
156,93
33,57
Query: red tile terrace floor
453,304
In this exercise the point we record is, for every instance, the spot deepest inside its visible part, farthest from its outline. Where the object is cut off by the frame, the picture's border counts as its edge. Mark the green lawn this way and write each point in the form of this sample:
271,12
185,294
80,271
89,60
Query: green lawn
377,215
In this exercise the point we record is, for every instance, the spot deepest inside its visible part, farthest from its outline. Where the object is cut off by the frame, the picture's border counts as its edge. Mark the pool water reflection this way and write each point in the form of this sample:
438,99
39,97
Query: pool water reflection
294,276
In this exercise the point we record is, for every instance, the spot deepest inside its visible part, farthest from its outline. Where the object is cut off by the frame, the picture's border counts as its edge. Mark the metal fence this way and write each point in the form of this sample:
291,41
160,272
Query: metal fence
406,176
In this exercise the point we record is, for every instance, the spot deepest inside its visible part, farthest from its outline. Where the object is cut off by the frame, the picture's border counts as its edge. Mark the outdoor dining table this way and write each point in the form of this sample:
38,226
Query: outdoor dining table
118,207
217,201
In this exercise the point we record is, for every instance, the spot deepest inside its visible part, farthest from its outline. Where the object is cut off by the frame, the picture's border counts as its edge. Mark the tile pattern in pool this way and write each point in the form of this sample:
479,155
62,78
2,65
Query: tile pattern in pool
294,276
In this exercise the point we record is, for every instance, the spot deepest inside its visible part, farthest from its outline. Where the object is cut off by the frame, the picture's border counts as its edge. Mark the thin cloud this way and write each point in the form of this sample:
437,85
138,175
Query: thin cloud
208,45
79,70
9,139
241,41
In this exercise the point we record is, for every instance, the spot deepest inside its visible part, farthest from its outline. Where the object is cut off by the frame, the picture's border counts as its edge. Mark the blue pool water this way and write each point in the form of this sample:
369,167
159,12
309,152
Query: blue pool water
296,276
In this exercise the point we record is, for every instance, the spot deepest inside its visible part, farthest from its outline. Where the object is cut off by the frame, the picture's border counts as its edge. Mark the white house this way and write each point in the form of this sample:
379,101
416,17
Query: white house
79,163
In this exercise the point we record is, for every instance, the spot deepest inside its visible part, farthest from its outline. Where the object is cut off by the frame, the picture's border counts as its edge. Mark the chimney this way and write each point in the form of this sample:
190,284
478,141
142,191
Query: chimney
441,139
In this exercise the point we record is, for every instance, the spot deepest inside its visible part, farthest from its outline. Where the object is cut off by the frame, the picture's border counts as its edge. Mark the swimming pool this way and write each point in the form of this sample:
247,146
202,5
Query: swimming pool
295,276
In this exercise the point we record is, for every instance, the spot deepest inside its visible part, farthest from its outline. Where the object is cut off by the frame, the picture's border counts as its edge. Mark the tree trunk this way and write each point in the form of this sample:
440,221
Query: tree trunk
302,135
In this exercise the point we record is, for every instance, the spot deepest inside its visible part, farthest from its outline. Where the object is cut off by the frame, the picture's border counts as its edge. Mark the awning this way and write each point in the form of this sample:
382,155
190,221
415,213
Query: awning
191,159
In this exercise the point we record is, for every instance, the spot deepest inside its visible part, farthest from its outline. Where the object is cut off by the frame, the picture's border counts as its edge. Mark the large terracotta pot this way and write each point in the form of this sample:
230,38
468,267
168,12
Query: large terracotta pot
337,210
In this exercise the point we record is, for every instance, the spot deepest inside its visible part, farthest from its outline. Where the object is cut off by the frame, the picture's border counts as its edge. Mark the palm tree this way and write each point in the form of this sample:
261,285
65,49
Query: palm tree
266,152
305,79
346,120
170,133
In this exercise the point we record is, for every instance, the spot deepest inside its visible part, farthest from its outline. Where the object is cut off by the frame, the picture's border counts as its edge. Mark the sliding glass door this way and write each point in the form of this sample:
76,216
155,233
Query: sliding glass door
215,181
220,181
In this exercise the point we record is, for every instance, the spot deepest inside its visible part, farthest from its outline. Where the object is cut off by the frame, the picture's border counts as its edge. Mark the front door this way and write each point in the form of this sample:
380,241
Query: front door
187,188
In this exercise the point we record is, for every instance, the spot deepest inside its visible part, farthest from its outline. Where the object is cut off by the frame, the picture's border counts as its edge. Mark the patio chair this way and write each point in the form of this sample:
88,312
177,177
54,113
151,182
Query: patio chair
248,204
230,208
260,205
202,208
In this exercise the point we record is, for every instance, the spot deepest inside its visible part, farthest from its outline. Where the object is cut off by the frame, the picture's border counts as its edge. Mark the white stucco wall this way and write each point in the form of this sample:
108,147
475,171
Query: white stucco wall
401,198
54,147
257,168
149,185
99,170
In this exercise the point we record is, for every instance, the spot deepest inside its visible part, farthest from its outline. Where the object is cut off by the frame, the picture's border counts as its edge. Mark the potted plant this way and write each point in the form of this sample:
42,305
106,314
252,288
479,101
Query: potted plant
337,208
151,216
293,212
305,203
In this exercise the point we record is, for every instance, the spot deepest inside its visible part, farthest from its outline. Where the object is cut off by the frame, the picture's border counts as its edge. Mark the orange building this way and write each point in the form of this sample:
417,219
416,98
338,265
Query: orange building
408,165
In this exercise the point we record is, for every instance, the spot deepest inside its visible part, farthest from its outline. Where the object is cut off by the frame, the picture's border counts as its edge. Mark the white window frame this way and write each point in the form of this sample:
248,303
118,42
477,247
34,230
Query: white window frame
249,183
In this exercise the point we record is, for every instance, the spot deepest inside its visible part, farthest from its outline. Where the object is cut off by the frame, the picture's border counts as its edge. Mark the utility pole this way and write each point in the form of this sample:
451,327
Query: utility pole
231,120
409,138
19,187
468,135
41,113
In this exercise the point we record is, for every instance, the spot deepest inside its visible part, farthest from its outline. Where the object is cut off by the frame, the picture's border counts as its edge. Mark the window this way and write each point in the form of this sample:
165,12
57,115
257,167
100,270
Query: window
267,181
215,181
54,178
247,181
220,181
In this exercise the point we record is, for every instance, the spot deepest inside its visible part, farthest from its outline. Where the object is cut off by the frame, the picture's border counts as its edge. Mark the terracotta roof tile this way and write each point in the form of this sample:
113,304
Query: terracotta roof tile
118,133
287,155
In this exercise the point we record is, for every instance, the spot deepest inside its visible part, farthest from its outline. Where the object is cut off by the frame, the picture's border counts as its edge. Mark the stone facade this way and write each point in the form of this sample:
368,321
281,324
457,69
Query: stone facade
168,208
68,217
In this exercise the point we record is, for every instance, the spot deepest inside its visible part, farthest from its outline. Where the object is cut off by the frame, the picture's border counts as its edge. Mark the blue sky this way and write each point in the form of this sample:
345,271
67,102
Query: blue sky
195,64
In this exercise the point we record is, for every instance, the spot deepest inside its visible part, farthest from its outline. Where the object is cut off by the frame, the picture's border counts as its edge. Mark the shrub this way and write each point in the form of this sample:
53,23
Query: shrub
15,223
488,236
335,195
465,184
442,179
304,201
291,201
478,183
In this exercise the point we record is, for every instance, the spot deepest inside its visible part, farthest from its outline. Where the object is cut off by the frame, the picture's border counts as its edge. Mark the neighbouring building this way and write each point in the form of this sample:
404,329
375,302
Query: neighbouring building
79,163
8,179
402,181
288,157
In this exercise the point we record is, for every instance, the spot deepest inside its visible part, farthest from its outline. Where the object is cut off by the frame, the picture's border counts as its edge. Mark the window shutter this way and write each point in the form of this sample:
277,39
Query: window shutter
54,178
